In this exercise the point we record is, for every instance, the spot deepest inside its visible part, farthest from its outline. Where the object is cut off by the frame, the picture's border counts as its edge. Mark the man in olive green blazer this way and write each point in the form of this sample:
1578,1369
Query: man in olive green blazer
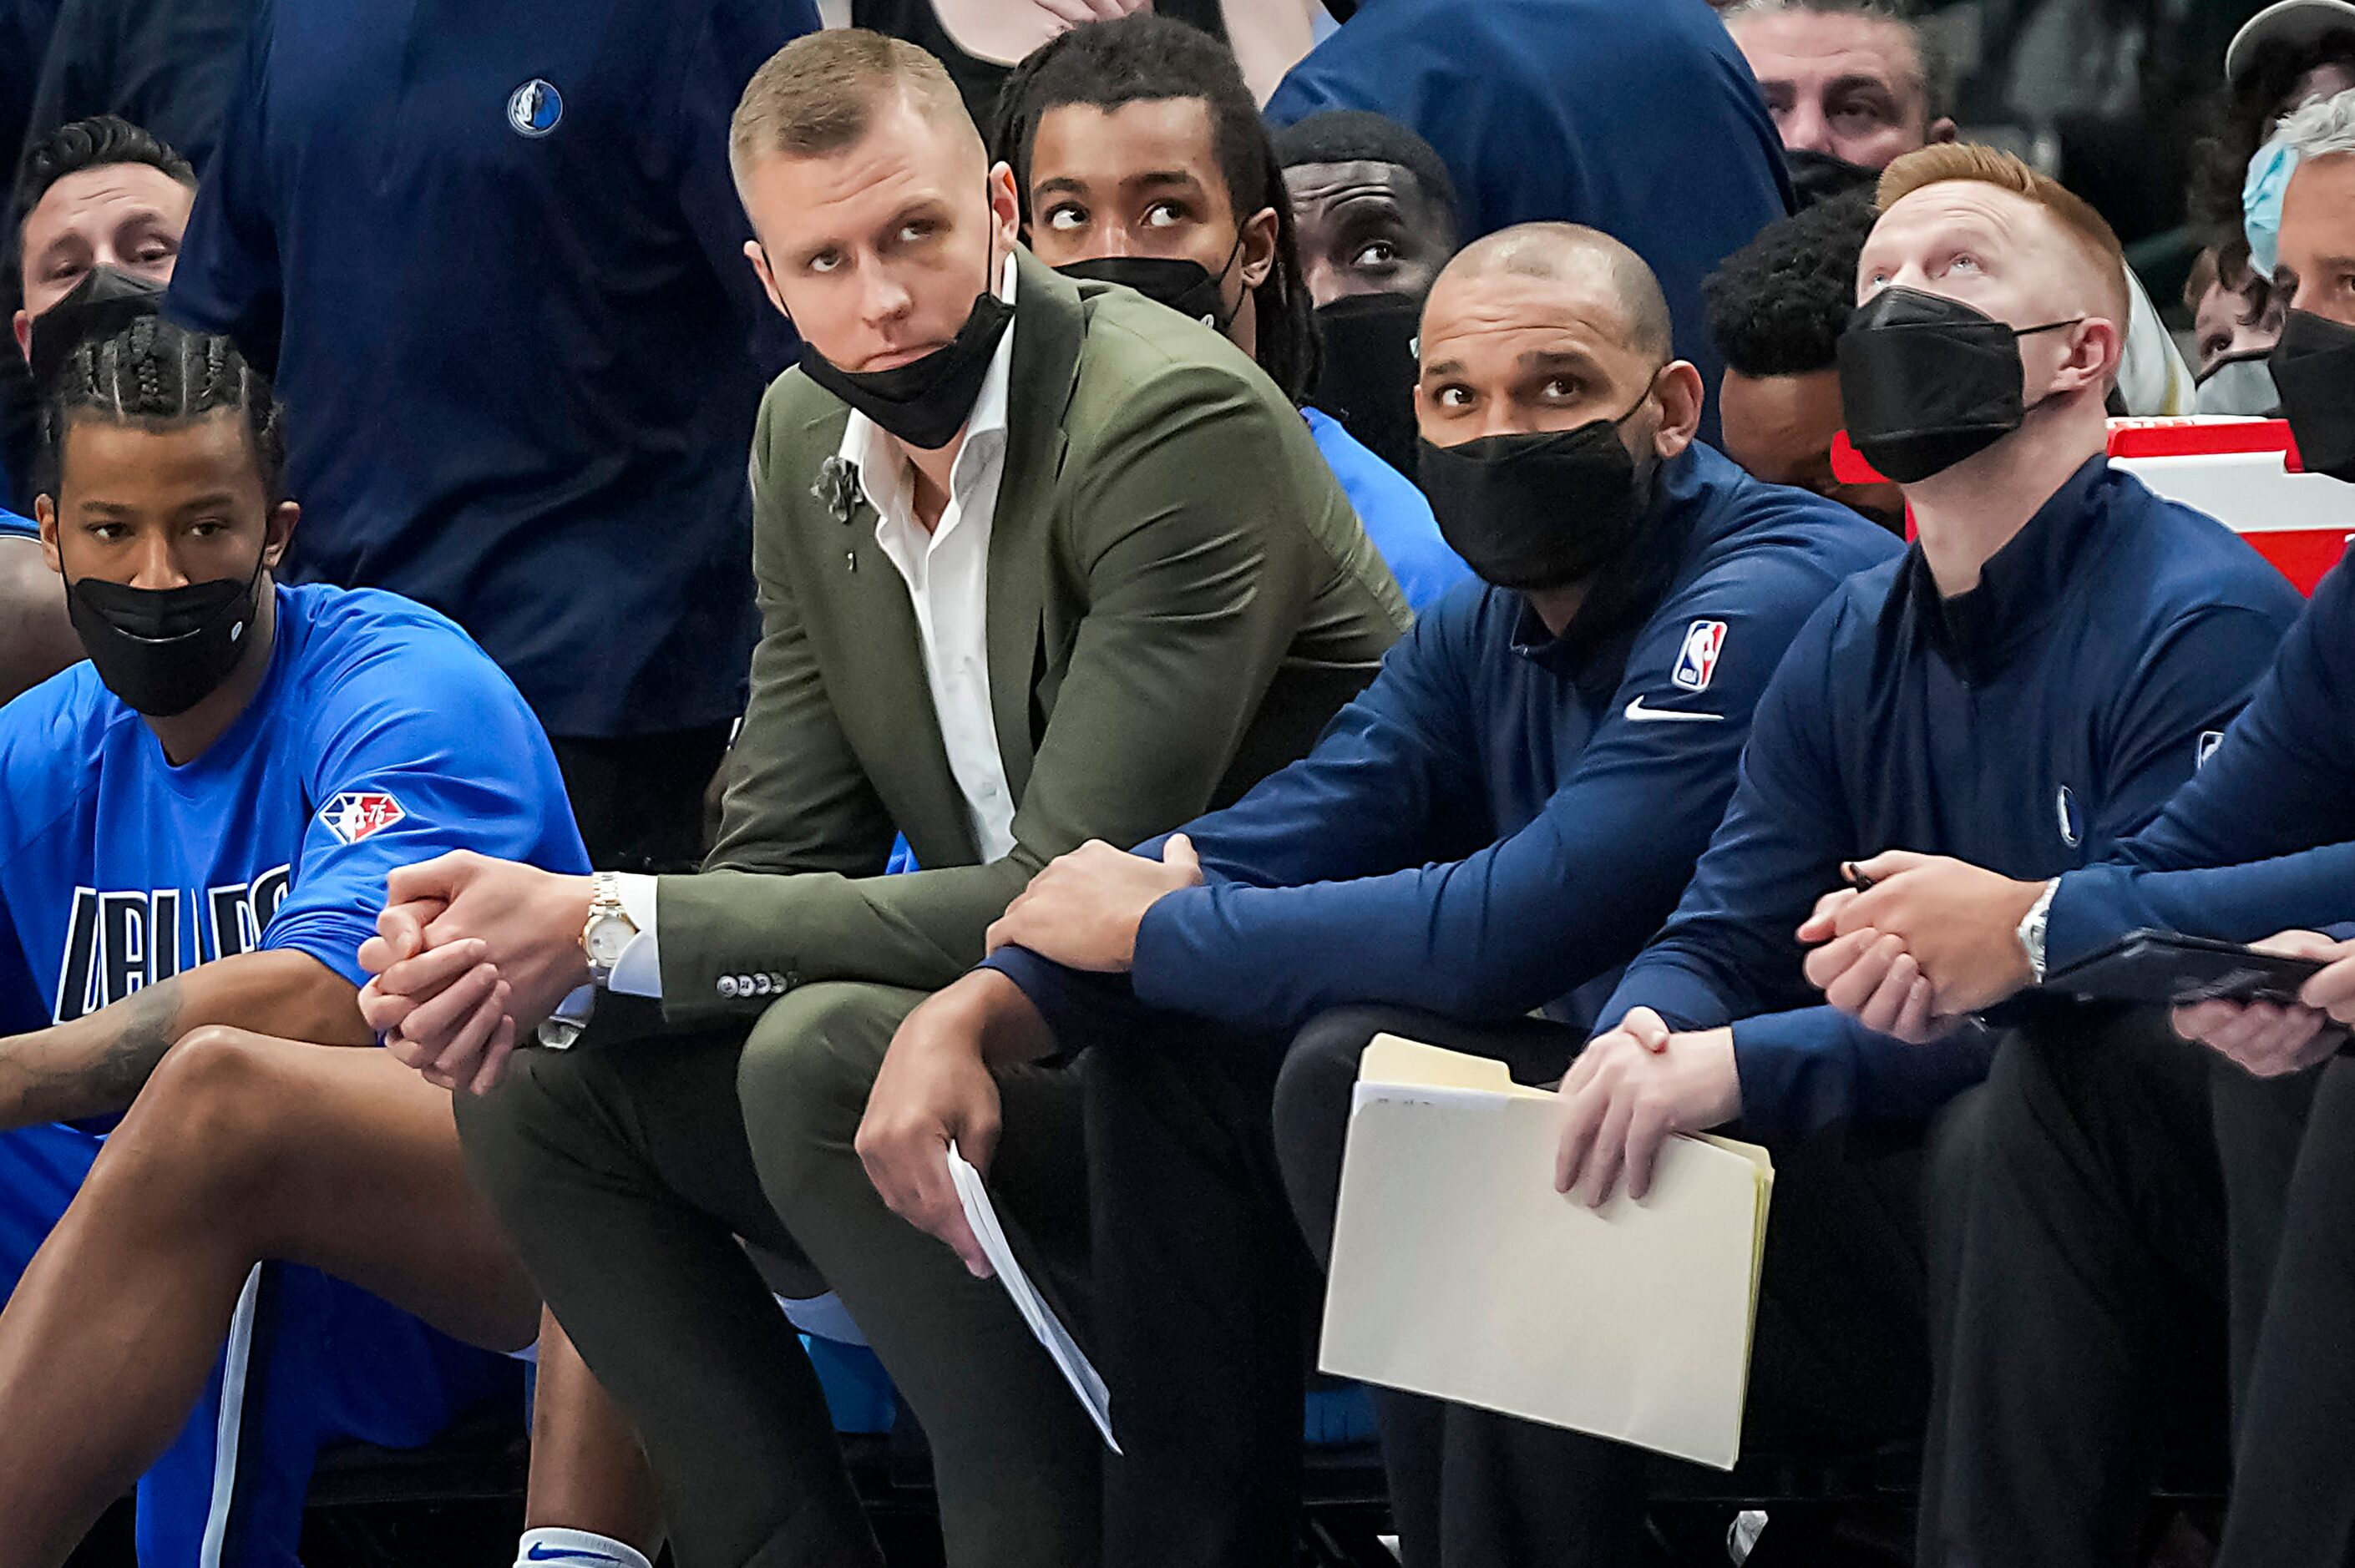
1174,597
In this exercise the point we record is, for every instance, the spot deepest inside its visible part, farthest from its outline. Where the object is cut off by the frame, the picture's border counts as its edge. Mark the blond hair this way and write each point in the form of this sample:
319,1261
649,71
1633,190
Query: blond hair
818,95
2088,229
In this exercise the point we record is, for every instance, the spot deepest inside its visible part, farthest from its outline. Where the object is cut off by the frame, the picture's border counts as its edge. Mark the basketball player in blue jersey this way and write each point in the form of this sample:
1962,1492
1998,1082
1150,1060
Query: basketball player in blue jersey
195,830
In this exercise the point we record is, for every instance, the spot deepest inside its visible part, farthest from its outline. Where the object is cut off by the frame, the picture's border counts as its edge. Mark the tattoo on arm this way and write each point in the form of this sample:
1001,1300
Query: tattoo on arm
92,1066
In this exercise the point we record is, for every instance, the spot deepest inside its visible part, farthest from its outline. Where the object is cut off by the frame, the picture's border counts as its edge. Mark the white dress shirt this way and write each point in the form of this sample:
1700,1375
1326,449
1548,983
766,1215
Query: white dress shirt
947,574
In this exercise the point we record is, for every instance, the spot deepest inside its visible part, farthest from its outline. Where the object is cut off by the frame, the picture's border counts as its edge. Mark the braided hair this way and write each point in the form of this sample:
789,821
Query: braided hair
155,375
1145,59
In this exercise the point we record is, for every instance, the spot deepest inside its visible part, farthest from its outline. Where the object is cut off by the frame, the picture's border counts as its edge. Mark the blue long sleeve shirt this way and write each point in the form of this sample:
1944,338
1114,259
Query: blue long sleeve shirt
2262,838
2026,726
1502,816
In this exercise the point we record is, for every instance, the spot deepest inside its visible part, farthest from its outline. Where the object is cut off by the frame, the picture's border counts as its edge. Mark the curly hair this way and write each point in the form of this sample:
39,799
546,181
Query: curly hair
2239,121
1776,307
1145,59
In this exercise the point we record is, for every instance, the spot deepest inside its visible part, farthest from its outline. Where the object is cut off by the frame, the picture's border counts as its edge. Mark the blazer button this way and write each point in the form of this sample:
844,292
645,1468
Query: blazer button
763,985
727,985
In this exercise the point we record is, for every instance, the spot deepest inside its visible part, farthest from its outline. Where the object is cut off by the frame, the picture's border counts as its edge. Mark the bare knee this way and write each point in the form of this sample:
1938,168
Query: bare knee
203,1134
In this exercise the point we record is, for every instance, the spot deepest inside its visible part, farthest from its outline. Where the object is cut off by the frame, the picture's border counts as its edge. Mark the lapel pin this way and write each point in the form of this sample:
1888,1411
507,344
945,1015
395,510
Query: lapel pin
837,488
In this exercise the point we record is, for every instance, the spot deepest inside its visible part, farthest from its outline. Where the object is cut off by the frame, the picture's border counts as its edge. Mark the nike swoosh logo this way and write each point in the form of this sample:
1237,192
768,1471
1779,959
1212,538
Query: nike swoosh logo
1639,714
539,1553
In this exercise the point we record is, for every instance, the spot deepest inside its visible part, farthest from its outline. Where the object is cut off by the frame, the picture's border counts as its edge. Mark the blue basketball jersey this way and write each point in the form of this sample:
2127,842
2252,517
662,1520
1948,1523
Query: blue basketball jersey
380,736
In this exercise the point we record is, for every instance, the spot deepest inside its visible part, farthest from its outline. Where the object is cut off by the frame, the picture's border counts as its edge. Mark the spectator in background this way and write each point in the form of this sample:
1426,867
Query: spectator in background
1140,159
1494,827
102,207
1851,84
1639,120
1854,84
2287,55
167,65
2236,319
1776,310
1375,212
497,263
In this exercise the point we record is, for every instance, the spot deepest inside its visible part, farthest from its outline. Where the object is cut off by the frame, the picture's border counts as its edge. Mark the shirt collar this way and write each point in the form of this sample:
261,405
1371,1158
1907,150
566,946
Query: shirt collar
1979,629
882,467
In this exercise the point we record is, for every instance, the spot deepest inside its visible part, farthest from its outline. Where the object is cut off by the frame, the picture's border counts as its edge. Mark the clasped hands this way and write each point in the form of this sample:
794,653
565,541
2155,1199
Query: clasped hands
1935,939
468,951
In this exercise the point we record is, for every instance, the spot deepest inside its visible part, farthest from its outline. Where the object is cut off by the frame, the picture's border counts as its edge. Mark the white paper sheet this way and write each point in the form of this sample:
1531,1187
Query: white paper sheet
1048,1329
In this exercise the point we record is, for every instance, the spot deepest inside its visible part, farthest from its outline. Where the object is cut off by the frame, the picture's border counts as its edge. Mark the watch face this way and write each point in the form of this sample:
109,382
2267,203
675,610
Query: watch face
606,939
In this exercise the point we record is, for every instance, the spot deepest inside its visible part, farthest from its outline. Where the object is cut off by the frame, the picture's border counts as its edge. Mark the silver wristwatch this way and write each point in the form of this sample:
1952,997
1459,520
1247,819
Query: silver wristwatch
2031,929
609,929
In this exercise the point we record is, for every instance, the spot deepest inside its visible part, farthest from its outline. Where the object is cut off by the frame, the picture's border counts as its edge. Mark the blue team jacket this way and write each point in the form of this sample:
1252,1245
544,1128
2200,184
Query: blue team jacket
2259,841
2026,726
1502,816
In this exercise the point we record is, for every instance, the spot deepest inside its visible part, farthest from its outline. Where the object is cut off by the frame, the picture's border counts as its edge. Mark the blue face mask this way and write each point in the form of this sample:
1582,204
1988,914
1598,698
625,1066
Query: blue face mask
2261,203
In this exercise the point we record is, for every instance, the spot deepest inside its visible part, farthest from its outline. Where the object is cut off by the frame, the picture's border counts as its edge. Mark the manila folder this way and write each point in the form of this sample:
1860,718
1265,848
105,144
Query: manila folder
1459,1272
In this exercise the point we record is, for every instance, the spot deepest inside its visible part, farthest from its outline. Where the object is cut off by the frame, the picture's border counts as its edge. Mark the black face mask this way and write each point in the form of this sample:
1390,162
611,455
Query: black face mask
163,651
1819,176
1926,381
926,401
106,301
1539,510
1186,287
2314,370
1368,375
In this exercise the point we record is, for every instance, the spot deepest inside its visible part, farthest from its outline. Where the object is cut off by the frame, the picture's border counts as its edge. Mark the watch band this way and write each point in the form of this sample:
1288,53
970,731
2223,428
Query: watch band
604,904
2031,929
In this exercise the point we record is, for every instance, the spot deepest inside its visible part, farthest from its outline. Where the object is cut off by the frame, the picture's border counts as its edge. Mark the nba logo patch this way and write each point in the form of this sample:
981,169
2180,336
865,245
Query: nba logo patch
534,109
1697,660
2210,739
354,815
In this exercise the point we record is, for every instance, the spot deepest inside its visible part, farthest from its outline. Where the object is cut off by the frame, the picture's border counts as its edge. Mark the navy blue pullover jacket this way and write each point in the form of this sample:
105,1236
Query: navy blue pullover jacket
2272,811
2026,726
1502,818
493,256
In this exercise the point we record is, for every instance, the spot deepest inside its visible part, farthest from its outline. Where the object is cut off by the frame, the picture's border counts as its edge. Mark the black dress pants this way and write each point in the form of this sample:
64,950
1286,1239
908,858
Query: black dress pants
1838,1363
2109,1243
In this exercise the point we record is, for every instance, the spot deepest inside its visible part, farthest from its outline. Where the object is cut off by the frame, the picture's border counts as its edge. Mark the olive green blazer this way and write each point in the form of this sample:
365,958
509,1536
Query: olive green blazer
1179,596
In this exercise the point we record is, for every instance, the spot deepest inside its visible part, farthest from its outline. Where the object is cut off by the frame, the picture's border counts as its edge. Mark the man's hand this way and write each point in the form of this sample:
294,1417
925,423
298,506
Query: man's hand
1085,908
1955,924
2268,1040
936,1087
1869,976
1628,1091
528,924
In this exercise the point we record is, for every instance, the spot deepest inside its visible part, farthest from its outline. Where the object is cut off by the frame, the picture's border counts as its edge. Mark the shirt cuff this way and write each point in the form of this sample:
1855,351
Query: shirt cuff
638,971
